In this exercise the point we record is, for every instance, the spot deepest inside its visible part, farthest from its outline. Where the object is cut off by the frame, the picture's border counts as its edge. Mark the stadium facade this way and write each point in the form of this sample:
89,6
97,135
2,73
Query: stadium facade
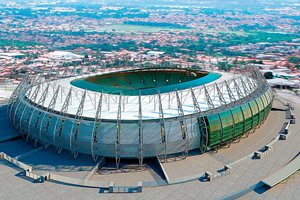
140,113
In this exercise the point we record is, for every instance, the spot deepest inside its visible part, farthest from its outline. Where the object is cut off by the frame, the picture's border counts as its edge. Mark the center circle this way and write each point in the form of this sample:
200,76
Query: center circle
147,81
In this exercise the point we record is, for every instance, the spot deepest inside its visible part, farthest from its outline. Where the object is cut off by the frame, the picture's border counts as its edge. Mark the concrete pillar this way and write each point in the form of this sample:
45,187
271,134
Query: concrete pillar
140,186
111,187
208,176
257,155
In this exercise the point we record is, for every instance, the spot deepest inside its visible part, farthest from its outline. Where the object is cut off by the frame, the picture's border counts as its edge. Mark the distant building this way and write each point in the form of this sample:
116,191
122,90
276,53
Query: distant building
267,57
283,83
155,53
12,55
62,55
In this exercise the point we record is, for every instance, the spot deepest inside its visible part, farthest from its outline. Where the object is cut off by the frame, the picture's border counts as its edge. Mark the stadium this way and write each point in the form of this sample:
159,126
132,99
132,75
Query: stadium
140,113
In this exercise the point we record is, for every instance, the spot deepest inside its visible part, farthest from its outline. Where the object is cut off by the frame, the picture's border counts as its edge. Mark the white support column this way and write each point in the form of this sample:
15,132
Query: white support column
58,130
48,117
141,140
183,126
201,123
162,129
41,103
76,125
118,133
95,133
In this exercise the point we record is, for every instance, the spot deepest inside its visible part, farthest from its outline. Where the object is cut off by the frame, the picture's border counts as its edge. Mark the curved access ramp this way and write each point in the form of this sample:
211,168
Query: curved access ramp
283,173
288,170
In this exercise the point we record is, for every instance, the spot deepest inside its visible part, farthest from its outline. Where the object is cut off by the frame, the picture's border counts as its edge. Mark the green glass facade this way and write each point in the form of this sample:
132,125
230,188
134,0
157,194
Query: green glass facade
214,130
238,117
228,126
225,126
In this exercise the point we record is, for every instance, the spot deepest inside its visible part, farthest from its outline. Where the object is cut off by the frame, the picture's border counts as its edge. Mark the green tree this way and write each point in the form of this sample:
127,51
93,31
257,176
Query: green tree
224,66
268,75
294,59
